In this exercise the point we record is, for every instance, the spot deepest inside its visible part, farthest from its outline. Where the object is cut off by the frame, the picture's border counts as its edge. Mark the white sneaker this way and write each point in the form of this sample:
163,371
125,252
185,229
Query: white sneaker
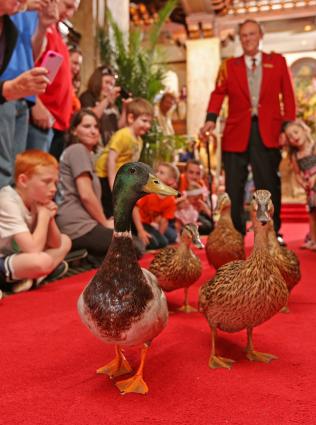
21,286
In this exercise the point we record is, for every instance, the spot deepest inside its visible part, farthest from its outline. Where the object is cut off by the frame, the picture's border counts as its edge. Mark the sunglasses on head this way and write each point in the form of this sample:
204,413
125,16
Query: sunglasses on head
108,71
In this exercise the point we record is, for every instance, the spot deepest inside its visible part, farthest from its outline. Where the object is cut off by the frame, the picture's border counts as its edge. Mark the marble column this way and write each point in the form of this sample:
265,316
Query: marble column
84,22
120,13
203,60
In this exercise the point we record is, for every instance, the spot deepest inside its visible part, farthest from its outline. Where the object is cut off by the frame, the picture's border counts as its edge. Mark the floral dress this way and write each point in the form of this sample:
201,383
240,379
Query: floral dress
307,166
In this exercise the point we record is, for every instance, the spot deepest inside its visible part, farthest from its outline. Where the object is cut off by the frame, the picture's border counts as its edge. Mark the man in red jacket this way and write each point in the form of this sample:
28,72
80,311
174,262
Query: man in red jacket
261,100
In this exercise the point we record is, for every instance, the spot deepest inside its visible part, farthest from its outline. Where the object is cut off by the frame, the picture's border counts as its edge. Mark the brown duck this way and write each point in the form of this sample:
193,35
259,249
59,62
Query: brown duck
286,260
244,294
178,267
224,243
123,304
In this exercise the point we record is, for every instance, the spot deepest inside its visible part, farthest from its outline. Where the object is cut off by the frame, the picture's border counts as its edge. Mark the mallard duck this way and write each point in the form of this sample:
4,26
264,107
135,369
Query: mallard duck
244,294
224,243
285,259
123,304
178,267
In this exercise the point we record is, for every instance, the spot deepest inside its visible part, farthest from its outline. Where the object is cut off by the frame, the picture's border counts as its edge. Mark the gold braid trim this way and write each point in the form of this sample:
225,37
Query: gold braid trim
222,72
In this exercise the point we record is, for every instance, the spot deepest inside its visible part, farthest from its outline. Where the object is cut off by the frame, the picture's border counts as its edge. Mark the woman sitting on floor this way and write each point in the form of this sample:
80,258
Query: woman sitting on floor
80,213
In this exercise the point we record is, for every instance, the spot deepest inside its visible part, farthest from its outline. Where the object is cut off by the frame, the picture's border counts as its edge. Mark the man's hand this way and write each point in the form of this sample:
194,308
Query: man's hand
49,15
37,5
41,116
207,130
29,83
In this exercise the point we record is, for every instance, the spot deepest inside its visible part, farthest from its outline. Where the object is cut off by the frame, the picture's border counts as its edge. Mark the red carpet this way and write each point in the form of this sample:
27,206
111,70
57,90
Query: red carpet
48,361
294,213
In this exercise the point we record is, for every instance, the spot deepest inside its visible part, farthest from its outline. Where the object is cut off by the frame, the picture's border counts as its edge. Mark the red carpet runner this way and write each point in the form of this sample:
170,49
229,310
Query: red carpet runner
48,361
294,213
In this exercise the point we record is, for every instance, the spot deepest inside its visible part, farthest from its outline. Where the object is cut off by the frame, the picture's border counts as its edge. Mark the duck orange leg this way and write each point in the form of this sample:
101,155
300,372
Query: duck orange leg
187,308
135,384
256,356
216,362
118,366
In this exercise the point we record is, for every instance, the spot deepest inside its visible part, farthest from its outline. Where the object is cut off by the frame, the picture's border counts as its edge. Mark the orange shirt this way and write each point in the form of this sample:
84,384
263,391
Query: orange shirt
76,106
153,206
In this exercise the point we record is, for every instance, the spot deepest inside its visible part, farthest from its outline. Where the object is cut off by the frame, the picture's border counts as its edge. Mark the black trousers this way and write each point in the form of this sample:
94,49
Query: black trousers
265,168
96,242
106,197
58,144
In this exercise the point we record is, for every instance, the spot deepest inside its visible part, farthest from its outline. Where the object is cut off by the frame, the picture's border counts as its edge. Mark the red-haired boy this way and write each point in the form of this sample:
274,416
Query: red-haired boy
31,245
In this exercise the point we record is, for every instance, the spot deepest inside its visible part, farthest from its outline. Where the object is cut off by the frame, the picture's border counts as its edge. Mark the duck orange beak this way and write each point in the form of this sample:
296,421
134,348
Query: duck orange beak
155,185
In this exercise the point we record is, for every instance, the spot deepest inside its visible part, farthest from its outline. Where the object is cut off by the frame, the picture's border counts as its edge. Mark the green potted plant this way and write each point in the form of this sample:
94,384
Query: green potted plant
139,73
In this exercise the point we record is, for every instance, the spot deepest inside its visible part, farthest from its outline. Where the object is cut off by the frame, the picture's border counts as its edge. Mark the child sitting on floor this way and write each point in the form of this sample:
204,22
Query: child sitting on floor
154,214
31,245
124,146
193,188
302,149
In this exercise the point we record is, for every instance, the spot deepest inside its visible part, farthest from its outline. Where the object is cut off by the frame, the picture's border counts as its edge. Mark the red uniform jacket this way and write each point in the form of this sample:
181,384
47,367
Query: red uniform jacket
276,101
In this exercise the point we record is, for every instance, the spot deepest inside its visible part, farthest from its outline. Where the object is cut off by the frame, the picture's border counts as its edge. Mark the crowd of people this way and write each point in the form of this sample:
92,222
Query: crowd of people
60,150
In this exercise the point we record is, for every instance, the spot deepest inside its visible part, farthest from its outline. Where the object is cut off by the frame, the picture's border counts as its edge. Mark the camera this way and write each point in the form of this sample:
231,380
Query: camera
124,94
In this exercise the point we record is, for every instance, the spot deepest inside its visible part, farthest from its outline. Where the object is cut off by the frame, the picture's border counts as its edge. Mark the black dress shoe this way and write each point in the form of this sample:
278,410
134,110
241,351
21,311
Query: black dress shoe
280,240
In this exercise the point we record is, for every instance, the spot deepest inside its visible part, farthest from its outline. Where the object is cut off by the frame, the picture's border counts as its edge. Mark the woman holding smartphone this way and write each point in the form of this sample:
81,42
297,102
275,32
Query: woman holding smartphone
100,96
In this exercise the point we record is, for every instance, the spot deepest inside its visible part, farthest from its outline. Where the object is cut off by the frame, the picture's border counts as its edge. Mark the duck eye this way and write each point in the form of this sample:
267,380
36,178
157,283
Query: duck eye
156,181
132,170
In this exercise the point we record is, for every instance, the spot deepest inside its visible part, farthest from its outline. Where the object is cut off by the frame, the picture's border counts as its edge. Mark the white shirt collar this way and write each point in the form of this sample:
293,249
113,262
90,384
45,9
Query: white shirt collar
248,60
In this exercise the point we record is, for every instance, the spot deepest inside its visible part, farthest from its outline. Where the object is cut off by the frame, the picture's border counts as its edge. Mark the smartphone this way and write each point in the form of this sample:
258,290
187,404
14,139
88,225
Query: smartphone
124,94
52,62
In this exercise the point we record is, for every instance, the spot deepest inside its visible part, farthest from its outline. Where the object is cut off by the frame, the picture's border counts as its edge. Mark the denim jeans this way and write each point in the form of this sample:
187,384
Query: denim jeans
38,138
14,122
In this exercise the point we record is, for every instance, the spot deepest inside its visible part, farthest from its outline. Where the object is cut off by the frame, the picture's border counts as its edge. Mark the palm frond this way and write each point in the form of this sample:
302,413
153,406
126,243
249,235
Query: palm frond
118,36
105,49
163,15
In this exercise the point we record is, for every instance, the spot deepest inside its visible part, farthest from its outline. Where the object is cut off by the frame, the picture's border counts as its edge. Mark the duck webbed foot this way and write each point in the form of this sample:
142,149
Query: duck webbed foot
117,367
186,308
135,384
216,362
256,356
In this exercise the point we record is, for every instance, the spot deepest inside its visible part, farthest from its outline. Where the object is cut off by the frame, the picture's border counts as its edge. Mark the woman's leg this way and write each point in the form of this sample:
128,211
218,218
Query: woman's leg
312,223
96,242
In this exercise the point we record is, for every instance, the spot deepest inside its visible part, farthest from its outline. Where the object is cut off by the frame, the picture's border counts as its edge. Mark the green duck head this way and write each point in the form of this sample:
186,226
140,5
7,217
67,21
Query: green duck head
133,181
